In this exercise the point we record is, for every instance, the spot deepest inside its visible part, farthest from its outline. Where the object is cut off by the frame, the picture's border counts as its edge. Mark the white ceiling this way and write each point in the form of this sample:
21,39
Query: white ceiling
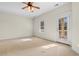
15,7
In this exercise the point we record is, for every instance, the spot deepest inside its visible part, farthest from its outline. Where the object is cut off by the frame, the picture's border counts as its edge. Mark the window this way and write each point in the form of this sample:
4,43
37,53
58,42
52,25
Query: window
42,26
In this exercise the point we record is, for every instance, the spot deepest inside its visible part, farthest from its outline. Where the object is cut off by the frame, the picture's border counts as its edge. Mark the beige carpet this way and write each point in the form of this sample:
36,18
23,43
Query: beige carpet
34,47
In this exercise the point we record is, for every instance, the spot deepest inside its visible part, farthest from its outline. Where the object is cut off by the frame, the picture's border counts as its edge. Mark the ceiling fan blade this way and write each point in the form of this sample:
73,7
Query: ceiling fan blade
24,7
24,2
36,7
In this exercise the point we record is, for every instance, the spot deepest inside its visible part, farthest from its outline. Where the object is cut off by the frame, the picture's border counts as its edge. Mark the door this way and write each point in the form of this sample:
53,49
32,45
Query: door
63,29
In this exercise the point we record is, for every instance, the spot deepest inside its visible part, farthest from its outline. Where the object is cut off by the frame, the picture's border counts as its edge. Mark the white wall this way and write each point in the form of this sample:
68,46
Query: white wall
50,19
14,26
75,28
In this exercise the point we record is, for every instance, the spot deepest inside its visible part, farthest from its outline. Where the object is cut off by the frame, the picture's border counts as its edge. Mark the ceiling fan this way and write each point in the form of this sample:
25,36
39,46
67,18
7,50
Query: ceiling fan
30,6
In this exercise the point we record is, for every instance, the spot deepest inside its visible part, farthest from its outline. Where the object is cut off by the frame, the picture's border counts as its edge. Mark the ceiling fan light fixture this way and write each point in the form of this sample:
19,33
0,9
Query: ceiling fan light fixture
30,9
30,6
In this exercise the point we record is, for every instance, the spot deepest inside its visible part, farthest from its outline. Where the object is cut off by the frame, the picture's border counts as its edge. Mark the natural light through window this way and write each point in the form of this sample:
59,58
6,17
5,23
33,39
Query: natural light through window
26,39
49,46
